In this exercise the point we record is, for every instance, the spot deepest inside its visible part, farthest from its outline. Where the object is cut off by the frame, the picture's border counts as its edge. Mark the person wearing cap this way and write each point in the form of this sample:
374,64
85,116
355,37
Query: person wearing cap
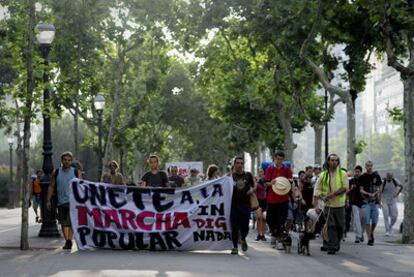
332,187
193,178
278,197
176,181
114,176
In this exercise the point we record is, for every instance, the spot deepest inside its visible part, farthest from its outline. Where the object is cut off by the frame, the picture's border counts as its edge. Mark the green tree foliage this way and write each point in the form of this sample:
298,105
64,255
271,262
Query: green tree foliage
62,142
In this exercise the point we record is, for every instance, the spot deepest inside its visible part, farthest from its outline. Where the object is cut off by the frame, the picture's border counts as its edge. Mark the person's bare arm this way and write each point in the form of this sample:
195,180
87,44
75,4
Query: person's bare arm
79,174
316,195
256,181
361,189
336,193
400,190
50,190
31,188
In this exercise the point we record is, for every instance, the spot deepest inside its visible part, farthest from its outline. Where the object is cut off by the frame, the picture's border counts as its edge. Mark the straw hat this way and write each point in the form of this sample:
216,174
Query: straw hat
282,186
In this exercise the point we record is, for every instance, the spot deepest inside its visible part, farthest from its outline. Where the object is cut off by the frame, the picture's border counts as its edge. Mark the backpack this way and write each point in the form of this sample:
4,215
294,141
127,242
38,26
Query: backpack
36,187
76,172
384,181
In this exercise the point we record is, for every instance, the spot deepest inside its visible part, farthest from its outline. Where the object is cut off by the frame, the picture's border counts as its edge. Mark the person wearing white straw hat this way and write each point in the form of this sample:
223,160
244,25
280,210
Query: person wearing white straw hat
278,197
332,187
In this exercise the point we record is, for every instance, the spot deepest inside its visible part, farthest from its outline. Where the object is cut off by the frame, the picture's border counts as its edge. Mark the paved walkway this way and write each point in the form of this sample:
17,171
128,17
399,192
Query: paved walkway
46,258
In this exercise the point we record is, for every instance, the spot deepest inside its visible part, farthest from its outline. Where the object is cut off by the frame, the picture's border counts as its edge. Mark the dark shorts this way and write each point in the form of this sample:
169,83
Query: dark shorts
63,215
263,204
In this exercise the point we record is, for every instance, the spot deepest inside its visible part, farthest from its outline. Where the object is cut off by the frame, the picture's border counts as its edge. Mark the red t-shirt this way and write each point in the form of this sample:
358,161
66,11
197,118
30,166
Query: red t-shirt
273,172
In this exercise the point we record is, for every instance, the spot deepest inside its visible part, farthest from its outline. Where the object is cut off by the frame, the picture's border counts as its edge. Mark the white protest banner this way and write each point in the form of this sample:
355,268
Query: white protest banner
185,167
121,217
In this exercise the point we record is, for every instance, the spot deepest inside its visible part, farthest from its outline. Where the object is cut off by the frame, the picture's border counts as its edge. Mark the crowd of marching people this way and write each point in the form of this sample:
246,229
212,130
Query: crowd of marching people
317,202
325,202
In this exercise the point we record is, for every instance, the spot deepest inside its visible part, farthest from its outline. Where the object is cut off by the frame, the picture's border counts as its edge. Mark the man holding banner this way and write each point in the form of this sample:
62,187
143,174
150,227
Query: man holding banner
61,178
152,218
155,178
243,190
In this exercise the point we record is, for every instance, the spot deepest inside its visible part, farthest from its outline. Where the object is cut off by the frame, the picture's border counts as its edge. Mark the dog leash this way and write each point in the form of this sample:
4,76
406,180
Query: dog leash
320,214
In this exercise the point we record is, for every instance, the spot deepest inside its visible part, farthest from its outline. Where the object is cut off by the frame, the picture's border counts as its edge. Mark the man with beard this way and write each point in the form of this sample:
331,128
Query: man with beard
332,187
240,205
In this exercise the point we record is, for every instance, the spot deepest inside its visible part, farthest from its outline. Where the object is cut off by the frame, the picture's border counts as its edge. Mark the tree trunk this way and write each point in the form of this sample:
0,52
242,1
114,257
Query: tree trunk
285,115
140,165
350,135
19,170
120,68
253,157
259,155
121,161
76,130
24,239
318,130
408,230
19,163
288,138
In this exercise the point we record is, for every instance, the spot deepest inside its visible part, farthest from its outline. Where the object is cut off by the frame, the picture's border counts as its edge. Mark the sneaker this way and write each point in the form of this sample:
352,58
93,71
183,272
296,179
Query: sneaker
235,251
331,252
273,242
68,245
244,245
387,234
279,246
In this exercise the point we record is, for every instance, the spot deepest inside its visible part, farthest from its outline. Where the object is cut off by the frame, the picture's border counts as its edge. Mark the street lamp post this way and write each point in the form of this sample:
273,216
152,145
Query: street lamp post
326,126
49,227
99,103
330,77
11,187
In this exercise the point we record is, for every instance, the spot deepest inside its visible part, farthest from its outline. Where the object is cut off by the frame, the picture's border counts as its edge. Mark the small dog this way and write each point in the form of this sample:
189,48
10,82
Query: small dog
287,242
303,244
305,236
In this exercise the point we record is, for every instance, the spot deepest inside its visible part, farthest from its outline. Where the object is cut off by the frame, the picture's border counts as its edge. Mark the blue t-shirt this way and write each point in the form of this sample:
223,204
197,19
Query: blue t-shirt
62,184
